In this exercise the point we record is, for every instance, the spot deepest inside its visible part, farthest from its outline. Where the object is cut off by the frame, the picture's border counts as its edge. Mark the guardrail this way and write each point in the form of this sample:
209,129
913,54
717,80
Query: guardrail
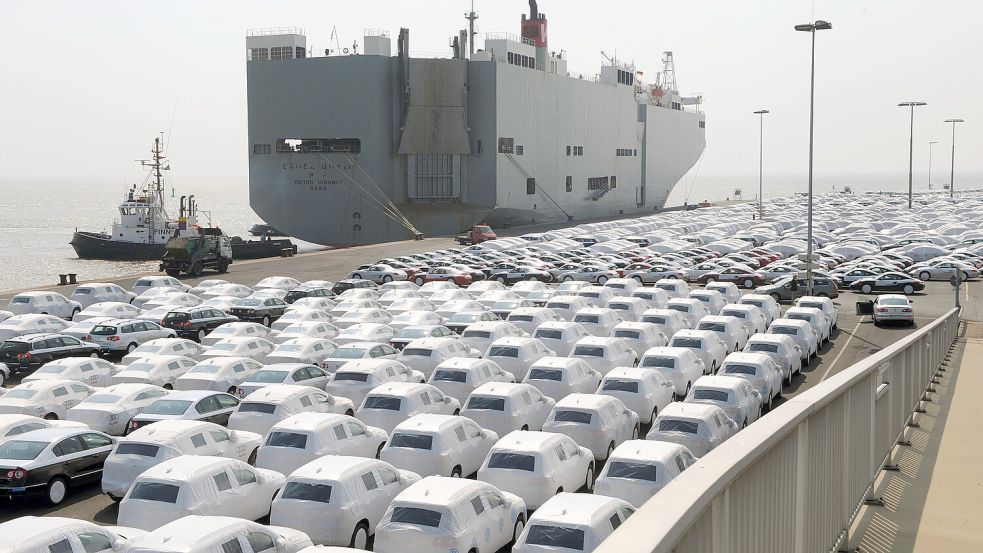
793,481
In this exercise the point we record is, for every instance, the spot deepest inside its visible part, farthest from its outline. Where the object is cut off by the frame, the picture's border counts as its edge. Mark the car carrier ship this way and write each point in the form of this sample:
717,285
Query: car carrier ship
365,146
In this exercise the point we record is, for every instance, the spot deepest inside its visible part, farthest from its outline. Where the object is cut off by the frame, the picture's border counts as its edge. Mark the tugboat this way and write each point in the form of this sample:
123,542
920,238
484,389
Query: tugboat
144,226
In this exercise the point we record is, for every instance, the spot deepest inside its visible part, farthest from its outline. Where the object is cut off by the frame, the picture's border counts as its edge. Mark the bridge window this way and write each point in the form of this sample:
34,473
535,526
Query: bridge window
569,183
260,149
319,145
519,150
258,54
506,145
597,183
530,185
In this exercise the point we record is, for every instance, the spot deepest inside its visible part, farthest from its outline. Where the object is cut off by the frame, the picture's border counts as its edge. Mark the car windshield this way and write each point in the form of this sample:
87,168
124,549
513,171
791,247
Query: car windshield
659,320
412,333
694,343
627,334
893,301
450,376
347,353
672,425
321,493
739,369
207,369
416,516
617,385
155,491
556,536
635,471
819,305
412,441
21,450
167,407
142,450
515,461
352,376
572,416
503,351
20,299
249,302
287,439
546,374
486,403
713,327
256,407
140,367
176,317
268,377
476,334
776,329
589,351
585,318
102,398
420,352
549,333
103,330
738,314
382,402
767,348
710,395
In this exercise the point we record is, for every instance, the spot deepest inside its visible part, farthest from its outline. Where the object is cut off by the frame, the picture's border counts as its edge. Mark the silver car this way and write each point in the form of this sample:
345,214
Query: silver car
791,288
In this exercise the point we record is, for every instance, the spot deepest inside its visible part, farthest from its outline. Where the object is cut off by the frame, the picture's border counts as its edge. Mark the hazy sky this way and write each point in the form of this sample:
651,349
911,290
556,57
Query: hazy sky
86,85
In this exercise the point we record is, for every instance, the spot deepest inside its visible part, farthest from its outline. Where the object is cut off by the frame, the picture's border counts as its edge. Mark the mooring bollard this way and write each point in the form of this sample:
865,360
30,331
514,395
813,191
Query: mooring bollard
71,278
62,280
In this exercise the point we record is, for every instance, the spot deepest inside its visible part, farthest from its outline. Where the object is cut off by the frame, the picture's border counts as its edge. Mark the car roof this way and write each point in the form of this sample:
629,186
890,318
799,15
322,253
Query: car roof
309,421
333,467
718,381
19,530
185,467
647,451
429,422
400,389
46,384
441,491
748,358
169,430
584,401
501,389
527,440
629,373
183,534
279,392
681,409
367,365
575,509
53,433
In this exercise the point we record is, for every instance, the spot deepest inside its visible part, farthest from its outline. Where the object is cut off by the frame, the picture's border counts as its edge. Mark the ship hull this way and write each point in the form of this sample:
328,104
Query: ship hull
94,245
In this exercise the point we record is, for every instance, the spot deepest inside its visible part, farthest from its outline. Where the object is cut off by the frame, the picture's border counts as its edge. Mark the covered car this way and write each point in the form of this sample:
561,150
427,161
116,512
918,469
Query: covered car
504,407
159,370
596,422
283,373
459,376
389,404
639,468
645,391
110,409
699,427
558,377
218,374
304,437
572,522
208,534
260,410
445,445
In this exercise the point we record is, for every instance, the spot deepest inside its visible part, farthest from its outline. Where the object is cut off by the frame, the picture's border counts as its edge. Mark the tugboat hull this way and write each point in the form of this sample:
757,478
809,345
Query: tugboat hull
95,245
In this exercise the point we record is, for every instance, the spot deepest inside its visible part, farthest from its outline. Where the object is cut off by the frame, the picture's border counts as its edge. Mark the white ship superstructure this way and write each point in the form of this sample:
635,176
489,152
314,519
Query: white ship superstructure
358,147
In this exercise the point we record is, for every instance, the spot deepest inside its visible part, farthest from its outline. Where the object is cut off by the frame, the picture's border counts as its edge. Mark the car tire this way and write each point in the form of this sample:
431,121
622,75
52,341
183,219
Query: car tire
266,321
76,311
655,414
456,472
525,428
925,275
777,297
610,451
634,432
602,279
866,289
708,280
500,279
201,334
568,279
387,278
748,284
357,276
251,460
3,378
56,491
456,412
360,537
130,348
520,525
908,289
378,452
197,269
94,354
638,279
51,417
589,482
419,281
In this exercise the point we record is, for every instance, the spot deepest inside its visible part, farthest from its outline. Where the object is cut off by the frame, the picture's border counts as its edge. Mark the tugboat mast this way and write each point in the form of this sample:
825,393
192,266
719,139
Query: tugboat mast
157,194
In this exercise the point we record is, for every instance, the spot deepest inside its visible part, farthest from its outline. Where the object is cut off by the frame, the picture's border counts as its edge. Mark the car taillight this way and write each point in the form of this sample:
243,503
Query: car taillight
907,310
881,309
23,356
16,474
113,338
184,323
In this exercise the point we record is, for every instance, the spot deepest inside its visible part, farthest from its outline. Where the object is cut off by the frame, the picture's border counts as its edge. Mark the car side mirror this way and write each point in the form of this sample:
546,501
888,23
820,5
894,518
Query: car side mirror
119,545
447,399
233,436
281,544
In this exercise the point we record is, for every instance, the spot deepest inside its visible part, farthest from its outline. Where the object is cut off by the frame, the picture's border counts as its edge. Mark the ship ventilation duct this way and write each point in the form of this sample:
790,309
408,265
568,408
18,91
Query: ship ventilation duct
533,11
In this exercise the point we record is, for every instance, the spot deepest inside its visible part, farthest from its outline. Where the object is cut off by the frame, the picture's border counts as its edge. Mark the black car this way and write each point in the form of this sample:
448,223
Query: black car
47,462
259,310
520,273
30,351
308,292
195,322
349,283
889,282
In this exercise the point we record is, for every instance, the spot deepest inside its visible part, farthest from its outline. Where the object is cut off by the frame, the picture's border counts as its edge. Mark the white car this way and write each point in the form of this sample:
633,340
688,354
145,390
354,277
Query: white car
301,350
669,321
110,409
365,332
20,325
505,407
476,289
681,366
645,391
389,296
447,310
184,535
219,374
96,292
415,318
157,314
32,534
480,335
44,303
228,289
87,370
742,403
299,316
126,335
47,399
750,317
801,332
674,287
307,329
195,485
470,314
526,287
597,422
570,521
193,405
706,344
527,319
459,376
267,406
277,283
728,289
240,329
339,500
283,373
164,346
654,298
640,336
358,350
313,302
143,284
691,309
515,354
204,285
166,297
698,427
893,308
437,514
389,404
826,305
363,315
768,305
629,308
558,377
107,309
14,425
538,465
599,321
760,370
424,354
639,468
253,348
599,296
431,288
356,379
159,370
567,306
623,287
713,300
81,329
604,354
153,444
379,273
815,317
404,305
782,349
560,336
730,330
414,332
304,437
444,445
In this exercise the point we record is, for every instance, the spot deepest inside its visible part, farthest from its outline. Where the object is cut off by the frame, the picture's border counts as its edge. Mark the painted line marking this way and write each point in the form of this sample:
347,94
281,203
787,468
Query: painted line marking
842,351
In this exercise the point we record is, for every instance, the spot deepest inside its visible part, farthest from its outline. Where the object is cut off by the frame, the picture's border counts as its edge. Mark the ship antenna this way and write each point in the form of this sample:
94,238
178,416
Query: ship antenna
471,16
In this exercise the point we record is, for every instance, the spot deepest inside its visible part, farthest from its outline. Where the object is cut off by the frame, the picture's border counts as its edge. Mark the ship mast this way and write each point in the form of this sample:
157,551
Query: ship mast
471,16
157,194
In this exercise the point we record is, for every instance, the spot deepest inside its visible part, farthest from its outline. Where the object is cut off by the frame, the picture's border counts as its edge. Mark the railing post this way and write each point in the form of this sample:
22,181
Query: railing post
720,510
801,472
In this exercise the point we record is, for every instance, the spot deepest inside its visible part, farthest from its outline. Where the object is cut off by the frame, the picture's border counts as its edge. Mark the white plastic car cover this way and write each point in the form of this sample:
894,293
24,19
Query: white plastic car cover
206,534
31,534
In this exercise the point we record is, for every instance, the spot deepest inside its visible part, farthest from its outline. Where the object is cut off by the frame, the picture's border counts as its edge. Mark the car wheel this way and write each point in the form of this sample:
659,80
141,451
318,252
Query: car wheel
908,289
568,279
500,279
201,334
610,451
655,414
266,321
602,279
357,275
167,387
925,275
708,280
866,288
252,457
360,537
130,348
419,281
589,483
56,491
634,432
788,379
638,279
525,427
51,417
749,284
777,297
350,413
3,378
94,354
456,472
965,277
378,452
197,269
387,278
76,311
231,391
456,412
517,529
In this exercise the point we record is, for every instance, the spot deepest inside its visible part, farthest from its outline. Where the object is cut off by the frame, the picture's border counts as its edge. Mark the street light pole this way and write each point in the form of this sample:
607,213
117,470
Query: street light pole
911,143
761,157
818,25
930,144
952,168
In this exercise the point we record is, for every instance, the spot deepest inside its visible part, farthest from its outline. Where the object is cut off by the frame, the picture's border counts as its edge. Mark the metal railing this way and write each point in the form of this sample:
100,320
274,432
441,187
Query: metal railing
793,481
275,31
